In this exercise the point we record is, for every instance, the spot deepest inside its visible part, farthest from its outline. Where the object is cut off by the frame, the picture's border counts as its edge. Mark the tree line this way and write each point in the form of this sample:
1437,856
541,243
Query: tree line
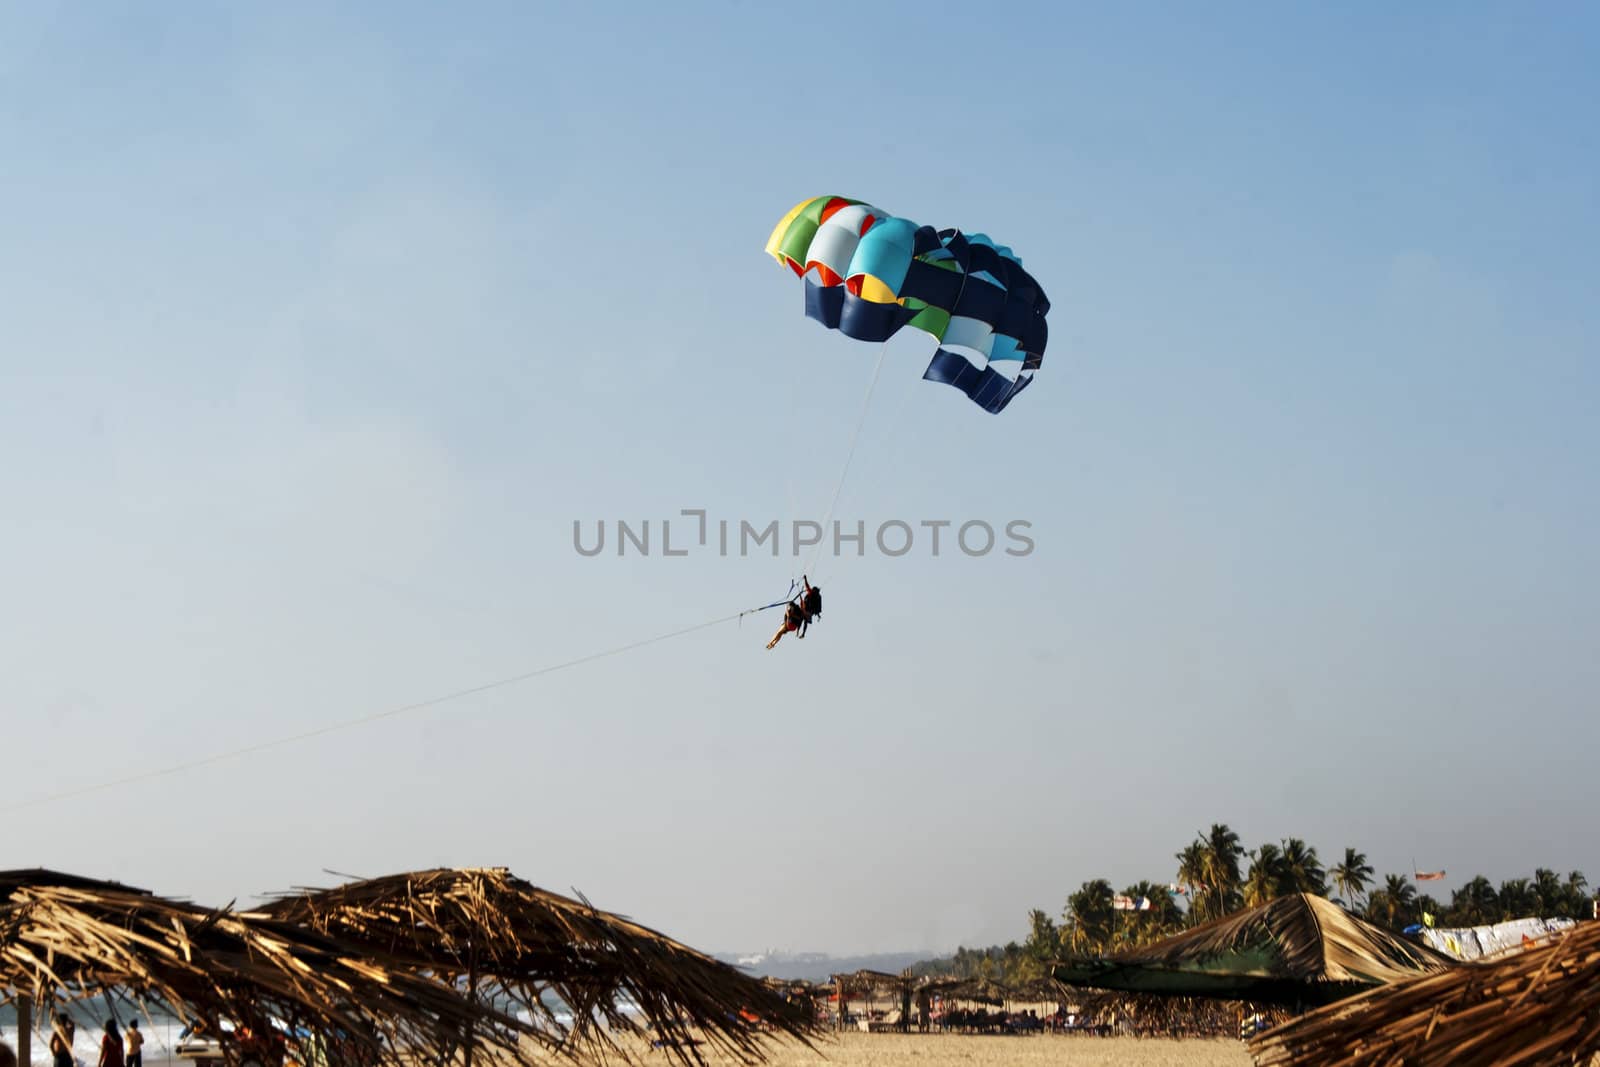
1216,876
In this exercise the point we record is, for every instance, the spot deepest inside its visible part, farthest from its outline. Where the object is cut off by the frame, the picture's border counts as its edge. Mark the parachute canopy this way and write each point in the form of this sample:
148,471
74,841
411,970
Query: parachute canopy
868,274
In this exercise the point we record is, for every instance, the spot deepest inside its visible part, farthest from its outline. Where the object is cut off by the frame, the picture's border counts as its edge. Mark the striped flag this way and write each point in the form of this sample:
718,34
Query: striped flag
1427,876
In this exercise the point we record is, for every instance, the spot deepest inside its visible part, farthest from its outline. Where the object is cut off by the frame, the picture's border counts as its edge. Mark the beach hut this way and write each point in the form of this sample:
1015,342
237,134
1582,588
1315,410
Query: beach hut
580,977
1535,1007
964,1003
265,989
812,997
875,987
1295,950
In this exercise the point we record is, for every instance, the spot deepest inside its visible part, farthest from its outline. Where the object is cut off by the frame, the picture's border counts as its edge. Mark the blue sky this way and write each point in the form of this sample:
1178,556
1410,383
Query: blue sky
319,329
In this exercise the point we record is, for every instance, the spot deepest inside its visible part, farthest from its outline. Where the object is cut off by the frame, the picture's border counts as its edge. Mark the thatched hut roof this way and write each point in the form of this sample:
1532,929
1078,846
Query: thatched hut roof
988,991
978,990
871,983
532,946
65,937
1035,991
1295,949
796,987
1537,1007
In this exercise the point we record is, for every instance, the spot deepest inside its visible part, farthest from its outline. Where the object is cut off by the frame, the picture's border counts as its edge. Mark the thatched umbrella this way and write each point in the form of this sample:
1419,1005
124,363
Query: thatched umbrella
869,984
799,991
976,989
1033,991
502,937
64,938
1539,1007
1292,950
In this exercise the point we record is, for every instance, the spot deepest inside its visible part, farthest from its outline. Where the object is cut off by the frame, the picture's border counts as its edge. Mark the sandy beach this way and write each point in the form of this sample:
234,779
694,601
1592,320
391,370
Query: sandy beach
933,1050
925,1050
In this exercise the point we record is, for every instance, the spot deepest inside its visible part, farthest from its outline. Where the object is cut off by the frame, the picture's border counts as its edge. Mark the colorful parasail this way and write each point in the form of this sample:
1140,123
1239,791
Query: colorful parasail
868,274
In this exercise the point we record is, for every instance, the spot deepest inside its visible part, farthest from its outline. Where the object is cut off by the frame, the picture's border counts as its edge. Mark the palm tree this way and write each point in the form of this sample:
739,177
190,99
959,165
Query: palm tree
1092,916
1475,904
1577,905
1044,940
1192,875
1266,875
1160,919
1302,871
1518,899
1220,865
1549,890
1395,904
1352,875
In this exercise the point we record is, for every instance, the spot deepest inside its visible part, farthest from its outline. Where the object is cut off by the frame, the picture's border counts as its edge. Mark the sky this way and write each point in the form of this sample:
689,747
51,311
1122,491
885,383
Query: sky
320,329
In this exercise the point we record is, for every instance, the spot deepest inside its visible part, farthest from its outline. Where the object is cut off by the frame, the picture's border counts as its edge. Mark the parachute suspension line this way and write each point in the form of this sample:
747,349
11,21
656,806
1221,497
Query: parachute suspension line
793,585
866,403
364,720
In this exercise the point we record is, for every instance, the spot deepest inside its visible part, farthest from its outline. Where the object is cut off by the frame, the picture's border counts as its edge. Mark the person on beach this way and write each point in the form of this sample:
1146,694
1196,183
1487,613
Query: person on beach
61,1035
111,1046
135,1057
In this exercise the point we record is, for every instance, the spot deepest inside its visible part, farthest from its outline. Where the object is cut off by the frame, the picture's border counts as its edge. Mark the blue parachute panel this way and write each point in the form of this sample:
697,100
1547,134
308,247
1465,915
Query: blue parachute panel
987,388
824,303
866,320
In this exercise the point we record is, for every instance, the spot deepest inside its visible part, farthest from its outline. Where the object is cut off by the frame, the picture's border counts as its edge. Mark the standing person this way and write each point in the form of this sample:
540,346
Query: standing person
61,1035
135,1044
111,1046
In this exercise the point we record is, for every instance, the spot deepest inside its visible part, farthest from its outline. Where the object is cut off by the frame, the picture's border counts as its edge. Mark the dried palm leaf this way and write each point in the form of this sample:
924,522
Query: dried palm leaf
65,938
1298,948
501,938
1539,1007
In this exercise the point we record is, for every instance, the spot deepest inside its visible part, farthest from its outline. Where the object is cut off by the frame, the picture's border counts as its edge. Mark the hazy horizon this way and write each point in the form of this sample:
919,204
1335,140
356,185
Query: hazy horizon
319,331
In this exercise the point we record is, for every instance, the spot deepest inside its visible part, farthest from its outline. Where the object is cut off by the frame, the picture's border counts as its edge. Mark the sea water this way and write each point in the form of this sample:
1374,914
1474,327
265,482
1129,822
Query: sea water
160,1033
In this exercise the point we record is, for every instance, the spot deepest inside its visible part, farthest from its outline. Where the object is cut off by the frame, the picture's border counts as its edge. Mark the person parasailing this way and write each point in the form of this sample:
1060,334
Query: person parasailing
800,613
810,603
793,618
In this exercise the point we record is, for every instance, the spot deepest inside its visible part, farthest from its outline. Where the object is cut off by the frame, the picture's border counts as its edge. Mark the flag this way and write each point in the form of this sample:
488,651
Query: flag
1427,920
1176,890
1122,903
1427,876
1144,903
